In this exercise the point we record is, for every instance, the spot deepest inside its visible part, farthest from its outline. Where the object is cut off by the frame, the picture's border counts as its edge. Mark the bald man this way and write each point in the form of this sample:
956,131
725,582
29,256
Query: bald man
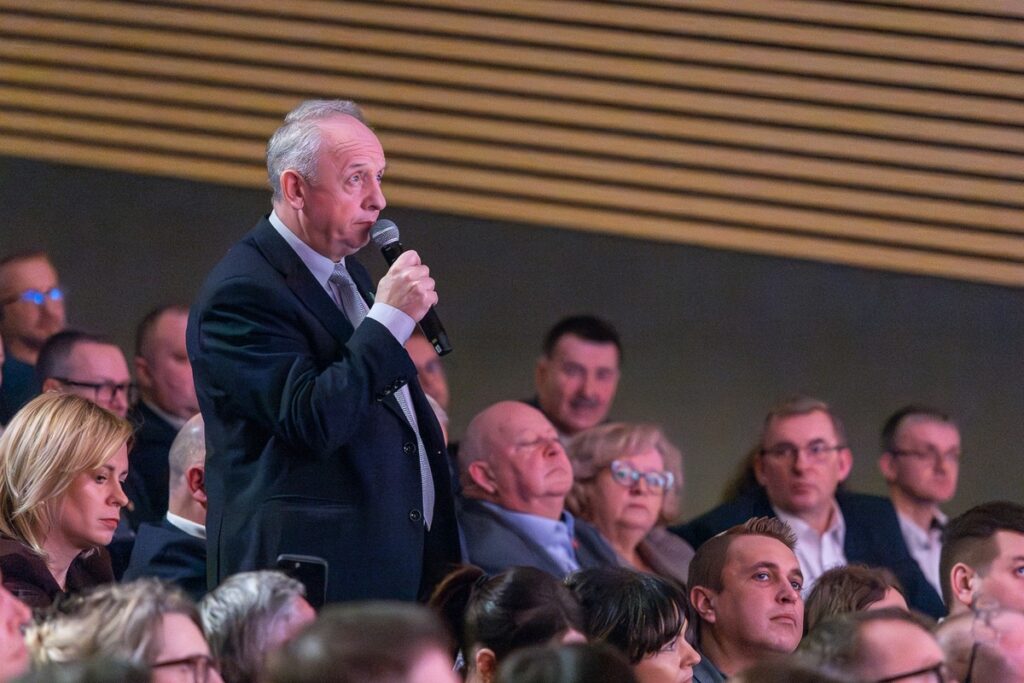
515,476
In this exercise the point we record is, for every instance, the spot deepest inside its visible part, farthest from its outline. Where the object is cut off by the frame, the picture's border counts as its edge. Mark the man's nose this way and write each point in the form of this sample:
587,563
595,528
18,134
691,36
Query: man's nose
375,200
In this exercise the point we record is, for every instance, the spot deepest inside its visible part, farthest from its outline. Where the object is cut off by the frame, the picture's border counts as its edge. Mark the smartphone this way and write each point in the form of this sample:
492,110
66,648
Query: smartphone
309,570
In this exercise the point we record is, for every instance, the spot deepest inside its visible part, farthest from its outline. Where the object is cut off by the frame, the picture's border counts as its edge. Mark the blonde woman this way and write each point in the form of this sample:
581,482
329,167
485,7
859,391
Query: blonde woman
627,478
62,462
145,622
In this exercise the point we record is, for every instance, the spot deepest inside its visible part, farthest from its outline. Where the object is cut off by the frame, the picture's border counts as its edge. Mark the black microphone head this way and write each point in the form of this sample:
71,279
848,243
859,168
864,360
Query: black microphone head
383,233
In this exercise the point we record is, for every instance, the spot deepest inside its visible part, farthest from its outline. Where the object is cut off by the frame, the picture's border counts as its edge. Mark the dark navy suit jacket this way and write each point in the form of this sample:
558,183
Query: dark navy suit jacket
873,538
307,449
148,471
494,545
167,552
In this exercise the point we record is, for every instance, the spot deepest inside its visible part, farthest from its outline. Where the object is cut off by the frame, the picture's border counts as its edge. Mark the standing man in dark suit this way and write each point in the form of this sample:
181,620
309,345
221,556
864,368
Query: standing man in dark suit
167,399
320,440
802,460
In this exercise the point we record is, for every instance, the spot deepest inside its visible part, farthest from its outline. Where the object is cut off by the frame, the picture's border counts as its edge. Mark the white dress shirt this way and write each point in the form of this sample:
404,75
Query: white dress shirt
817,553
925,546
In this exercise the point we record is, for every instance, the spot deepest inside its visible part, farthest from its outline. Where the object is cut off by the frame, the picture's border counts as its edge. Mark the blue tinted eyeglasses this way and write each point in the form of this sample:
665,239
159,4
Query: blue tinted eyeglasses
625,475
34,296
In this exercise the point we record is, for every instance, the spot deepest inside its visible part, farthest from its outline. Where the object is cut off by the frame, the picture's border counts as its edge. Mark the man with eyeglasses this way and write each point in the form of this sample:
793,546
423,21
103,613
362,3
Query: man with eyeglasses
920,462
31,310
984,645
888,645
802,460
75,362
515,476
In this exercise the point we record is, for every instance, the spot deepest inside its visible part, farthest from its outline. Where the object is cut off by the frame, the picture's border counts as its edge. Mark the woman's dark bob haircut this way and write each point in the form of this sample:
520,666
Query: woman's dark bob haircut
637,613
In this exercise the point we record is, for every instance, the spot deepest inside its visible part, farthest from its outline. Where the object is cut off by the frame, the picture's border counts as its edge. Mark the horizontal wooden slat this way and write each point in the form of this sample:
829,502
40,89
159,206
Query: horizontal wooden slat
885,135
537,138
557,215
699,78
570,50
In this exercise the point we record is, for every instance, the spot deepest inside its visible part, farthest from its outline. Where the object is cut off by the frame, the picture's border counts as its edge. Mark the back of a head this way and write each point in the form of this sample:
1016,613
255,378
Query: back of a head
840,646
789,670
90,670
518,608
970,539
576,663
635,612
187,449
373,642
239,618
117,621
849,588
984,645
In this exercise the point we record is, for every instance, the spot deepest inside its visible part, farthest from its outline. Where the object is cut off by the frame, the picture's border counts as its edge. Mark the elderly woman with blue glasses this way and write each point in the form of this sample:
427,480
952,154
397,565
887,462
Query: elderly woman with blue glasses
627,478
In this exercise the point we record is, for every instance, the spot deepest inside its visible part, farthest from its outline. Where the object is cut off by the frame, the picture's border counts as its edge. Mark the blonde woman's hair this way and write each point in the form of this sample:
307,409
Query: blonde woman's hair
46,445
594,449
115,620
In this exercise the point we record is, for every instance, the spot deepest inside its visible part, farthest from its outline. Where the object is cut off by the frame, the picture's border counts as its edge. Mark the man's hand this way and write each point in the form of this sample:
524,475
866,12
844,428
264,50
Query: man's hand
408,286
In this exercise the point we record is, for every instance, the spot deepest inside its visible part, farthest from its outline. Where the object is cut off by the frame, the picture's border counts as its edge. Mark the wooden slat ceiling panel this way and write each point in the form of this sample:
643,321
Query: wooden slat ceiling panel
865,133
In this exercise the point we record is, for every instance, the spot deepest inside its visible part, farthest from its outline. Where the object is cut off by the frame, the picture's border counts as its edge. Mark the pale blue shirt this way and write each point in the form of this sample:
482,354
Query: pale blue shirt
397,322
554,535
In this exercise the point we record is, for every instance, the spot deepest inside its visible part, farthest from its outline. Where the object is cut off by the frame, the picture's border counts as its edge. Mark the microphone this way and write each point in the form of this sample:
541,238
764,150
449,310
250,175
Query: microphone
384,234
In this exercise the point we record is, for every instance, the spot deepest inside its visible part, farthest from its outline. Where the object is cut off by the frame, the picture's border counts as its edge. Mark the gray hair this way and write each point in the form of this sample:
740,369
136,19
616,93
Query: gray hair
296,144
118,620
239,617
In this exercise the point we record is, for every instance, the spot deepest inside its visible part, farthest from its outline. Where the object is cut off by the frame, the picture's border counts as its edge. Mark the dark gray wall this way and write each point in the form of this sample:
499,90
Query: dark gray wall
712,338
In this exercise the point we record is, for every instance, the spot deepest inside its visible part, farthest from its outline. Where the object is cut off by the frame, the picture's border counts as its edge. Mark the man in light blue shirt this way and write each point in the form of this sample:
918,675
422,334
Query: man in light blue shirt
515,476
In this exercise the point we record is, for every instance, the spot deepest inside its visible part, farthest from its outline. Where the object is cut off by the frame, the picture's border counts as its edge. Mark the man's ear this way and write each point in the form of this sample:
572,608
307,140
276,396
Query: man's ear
50,384
540,371
703,601
481,475
758,464
486,664
962,579
142,371
195,477
293,189
845,463
887,465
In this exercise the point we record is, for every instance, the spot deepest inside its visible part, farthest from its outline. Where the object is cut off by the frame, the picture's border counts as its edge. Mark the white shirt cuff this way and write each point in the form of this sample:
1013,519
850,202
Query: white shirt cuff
398,323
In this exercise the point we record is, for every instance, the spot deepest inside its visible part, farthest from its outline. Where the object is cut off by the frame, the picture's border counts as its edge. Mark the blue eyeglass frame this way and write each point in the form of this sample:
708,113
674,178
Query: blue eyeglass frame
38,297
663,481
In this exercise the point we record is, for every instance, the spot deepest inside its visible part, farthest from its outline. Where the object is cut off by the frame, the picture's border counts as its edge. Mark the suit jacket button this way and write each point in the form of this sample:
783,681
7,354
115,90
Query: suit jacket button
408,448
415,515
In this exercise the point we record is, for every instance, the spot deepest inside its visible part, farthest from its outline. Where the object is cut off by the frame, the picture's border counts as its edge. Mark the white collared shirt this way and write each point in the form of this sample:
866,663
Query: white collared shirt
186,525
925,546
817,553
396,321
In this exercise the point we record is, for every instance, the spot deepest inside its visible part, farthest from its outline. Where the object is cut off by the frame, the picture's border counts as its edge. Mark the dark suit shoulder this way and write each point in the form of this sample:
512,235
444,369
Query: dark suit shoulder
724,516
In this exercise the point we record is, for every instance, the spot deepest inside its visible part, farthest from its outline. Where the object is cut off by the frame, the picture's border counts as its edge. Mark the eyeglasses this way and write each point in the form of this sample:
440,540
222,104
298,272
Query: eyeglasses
34,296
625,475
104,392
199,666
982,630
817,451
933,457
941,671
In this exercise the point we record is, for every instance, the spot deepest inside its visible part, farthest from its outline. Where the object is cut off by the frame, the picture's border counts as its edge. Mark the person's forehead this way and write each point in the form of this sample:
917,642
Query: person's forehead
1009,544
36,272
750,550
90,356
347,139
928,430
800,428
586,352
170,327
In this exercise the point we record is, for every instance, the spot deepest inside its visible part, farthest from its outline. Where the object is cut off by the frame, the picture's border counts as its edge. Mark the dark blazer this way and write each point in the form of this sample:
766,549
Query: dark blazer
167,552
494,545
873,538
307,449
148,471
27,577
20,386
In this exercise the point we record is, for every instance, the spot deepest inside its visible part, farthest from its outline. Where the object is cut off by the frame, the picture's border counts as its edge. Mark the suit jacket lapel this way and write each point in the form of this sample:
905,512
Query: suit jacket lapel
300,281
